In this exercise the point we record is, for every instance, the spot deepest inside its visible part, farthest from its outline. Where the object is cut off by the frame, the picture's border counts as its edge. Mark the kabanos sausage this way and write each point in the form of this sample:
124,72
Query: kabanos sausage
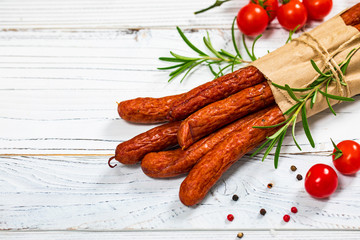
212,165
215,90
175,162
223,112
146,110
156,139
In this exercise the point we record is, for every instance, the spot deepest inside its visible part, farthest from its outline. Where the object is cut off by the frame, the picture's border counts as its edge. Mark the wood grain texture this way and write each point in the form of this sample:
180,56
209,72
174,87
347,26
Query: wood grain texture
90,14
83,193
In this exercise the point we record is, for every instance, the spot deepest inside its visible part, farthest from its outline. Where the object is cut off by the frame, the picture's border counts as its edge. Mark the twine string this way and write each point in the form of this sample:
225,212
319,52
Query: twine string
328,60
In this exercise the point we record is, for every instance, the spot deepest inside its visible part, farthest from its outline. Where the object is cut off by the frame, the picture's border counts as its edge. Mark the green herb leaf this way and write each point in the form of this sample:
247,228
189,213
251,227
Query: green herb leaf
177,56
211,48
292,109
217,3
261,147
293,134
291,94
293,89
278,148
253,57
313,99
167,59
171,67
226,54
233,39
189,43
291,32
306,126
271,146
181,69
317,69
337,97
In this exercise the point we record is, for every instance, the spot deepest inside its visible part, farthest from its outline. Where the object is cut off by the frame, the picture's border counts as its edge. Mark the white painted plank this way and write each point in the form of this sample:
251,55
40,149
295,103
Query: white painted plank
81,14
195,235
55,86
83,193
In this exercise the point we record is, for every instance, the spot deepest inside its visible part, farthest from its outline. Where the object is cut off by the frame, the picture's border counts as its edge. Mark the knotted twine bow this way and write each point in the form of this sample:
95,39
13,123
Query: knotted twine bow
328,59
328,45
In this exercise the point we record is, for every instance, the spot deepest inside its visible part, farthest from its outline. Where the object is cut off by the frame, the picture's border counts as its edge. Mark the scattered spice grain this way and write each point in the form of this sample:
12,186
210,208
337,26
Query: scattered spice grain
235,197
262,211
299,177
286,218
294,210
240,235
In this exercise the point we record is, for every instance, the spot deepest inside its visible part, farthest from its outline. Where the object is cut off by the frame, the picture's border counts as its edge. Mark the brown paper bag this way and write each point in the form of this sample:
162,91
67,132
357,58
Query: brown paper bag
328,45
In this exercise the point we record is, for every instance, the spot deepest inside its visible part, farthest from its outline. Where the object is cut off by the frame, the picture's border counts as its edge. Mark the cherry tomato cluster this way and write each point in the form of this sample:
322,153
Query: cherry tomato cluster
321,180
253,18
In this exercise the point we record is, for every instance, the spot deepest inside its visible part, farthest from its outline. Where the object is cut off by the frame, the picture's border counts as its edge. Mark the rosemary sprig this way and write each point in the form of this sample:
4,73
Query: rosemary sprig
185,64
312,91
217,3
291,33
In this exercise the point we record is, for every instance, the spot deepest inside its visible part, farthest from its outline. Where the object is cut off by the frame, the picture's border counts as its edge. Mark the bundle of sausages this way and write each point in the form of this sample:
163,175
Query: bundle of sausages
211,126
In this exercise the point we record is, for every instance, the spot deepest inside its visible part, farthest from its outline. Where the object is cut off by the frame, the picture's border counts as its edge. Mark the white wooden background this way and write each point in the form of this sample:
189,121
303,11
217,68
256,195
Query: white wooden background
63,66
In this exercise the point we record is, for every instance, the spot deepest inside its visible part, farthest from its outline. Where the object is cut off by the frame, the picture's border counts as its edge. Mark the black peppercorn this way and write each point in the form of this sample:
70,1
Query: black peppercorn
293,168
299,177
235,197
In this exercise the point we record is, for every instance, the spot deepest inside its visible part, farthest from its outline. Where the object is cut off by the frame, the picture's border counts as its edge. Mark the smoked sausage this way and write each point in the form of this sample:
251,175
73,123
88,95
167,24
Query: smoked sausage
223,112
175,162
156,139
213,164
213,91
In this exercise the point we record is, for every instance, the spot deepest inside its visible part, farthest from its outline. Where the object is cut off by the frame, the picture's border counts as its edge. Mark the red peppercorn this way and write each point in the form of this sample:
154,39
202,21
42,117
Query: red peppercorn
286,218
230,217
294,210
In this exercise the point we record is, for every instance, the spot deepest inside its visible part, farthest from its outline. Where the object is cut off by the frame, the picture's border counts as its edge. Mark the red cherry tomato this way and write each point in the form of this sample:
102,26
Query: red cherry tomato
349,161
321,181
292,14
271,7
318,9
252,19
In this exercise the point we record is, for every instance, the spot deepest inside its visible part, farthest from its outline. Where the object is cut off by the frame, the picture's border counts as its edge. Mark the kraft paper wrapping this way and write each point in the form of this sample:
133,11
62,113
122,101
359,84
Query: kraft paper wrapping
328,45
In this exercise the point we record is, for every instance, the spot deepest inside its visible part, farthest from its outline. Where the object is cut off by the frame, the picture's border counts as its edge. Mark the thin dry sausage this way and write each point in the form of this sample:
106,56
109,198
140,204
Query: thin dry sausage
223,112
156,139
212,165
215,90
175,162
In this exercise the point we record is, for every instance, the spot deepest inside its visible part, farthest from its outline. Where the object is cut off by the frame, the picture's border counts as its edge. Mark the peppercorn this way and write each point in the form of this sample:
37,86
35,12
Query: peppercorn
240,235
293,168
235,197
262,211
270,185
230,217
299,177
286,218
294,210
